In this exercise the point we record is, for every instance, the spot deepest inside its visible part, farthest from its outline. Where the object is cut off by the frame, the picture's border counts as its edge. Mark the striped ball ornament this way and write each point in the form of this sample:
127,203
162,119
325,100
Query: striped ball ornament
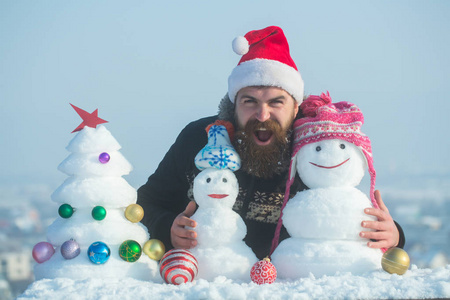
178,266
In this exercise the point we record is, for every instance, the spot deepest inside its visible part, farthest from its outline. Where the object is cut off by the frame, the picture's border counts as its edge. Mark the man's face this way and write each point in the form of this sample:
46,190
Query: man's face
264,116
262,104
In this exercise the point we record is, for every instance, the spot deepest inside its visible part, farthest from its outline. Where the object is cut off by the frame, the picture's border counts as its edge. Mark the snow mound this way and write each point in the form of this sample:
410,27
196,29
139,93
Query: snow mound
414,284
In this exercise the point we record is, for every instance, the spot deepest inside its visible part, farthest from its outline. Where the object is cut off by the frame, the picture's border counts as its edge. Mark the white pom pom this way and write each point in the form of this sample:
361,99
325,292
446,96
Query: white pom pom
240,45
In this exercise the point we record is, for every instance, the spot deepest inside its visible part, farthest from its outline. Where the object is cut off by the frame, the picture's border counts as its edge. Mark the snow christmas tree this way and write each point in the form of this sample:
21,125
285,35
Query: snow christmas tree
97,233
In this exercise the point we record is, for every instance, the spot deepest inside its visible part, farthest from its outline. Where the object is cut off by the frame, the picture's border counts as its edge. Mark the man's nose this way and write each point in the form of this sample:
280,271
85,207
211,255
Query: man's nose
263,113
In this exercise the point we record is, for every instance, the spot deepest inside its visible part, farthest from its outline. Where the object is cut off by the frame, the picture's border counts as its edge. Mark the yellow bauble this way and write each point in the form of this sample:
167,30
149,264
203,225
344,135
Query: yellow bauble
134,213
395,260
154,249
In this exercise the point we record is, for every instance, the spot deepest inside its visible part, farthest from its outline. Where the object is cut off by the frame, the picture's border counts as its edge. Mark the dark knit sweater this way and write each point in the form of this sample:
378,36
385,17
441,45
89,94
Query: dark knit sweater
169,190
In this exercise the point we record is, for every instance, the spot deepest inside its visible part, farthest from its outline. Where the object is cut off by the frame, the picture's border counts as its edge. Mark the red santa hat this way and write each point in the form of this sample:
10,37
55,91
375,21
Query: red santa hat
265,61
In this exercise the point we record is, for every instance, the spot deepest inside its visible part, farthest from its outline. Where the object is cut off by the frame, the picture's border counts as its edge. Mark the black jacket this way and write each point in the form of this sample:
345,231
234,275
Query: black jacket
169,190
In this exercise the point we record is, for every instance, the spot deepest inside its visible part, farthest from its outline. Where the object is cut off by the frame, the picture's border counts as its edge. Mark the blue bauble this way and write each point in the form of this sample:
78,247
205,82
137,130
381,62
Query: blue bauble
98,253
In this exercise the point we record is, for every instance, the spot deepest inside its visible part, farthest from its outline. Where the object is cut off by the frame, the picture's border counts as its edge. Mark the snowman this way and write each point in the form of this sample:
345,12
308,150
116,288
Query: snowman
330,155
220,250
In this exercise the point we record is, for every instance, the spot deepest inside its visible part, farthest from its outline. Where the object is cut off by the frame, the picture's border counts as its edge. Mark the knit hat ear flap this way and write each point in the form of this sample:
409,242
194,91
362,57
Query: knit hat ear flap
292,168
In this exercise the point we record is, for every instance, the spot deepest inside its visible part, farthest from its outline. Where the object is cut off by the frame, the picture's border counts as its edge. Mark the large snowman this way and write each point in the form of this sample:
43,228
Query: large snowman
221,250
330,155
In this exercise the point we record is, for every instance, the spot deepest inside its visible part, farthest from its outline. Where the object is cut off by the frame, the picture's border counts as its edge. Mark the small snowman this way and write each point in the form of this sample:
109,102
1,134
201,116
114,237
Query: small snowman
220,250
330,155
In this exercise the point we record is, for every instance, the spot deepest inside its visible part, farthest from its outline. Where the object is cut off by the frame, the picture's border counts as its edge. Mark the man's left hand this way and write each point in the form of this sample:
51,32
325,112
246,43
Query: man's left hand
386,234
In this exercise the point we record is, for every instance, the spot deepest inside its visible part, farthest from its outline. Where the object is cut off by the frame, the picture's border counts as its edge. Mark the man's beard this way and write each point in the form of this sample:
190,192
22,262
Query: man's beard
264,161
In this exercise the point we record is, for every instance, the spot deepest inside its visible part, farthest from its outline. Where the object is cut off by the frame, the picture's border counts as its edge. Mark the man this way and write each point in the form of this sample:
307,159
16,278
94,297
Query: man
264,92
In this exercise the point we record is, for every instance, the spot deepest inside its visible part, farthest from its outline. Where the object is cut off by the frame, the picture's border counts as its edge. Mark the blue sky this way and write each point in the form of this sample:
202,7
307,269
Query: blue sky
151,67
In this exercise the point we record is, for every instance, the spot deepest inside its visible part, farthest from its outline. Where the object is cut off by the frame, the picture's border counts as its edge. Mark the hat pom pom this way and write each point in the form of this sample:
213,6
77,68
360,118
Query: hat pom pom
240,45
312,103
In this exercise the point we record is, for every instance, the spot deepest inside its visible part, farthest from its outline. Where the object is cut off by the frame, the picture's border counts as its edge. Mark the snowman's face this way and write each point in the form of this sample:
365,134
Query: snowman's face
215,188
331,163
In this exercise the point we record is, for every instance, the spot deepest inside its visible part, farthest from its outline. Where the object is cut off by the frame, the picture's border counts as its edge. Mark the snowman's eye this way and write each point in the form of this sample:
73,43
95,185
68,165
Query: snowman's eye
318,148
224,180
208,180
342,146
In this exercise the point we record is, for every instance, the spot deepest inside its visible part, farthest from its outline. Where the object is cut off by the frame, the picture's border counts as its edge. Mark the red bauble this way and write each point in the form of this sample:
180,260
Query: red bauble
178,266
263,271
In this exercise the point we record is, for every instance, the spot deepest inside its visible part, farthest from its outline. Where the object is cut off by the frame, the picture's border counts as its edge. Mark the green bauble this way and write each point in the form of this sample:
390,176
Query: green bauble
130,251
65,211
99,213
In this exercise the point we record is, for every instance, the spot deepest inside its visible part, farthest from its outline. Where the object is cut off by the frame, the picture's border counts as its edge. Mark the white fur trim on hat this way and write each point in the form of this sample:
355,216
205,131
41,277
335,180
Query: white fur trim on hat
264,72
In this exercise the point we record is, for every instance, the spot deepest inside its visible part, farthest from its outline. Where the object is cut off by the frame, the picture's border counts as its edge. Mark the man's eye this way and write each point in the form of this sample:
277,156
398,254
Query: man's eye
277,102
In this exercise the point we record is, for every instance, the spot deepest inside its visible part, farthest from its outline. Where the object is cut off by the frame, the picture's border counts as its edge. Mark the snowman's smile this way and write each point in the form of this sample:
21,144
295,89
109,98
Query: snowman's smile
218,196
332,167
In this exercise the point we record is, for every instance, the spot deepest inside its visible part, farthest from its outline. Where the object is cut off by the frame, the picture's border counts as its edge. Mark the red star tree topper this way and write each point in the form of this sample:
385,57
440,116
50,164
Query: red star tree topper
89,119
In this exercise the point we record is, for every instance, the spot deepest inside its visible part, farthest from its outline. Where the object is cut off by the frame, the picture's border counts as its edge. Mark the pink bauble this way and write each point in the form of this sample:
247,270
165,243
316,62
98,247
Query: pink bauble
178,266
42,252
263,271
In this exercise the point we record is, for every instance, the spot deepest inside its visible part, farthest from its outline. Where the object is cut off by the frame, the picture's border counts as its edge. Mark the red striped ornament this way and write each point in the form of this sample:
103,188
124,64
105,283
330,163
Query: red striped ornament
178,266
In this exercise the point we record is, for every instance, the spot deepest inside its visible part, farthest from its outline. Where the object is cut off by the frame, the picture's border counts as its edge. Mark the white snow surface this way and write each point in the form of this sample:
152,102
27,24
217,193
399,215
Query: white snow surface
87,164
97,139
104,191
414,284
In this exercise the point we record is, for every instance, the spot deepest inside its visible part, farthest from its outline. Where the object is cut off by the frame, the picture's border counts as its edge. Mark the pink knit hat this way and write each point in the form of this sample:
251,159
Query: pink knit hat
265,61
327,121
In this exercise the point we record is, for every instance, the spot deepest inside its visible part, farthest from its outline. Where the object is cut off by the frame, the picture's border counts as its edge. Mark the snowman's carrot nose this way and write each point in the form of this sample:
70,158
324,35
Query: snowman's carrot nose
218,196
332,167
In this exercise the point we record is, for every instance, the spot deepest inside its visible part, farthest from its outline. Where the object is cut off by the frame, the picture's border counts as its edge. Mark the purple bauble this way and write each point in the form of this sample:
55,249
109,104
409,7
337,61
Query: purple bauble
42,252
104,157
70,249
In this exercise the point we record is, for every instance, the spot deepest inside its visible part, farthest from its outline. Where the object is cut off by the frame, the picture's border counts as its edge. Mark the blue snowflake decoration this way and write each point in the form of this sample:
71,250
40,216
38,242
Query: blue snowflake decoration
218,153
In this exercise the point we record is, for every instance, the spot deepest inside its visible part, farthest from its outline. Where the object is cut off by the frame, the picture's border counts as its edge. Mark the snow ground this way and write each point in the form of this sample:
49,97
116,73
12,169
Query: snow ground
414,284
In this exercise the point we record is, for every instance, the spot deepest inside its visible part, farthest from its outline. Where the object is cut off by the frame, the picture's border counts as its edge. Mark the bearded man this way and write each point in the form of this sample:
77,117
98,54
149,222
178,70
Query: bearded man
264,93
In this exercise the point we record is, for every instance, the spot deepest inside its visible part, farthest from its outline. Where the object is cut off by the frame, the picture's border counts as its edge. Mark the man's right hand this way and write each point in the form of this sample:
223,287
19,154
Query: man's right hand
180,236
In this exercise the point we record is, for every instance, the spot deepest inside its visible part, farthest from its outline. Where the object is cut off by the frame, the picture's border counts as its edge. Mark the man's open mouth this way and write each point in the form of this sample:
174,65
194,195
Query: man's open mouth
263,135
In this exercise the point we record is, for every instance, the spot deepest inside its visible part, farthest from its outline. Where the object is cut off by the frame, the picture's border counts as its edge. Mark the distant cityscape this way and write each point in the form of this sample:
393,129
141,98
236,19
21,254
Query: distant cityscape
422,209
25,213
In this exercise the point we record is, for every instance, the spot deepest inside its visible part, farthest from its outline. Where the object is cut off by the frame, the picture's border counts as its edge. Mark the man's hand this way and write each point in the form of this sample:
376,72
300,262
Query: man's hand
180,236
386,233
